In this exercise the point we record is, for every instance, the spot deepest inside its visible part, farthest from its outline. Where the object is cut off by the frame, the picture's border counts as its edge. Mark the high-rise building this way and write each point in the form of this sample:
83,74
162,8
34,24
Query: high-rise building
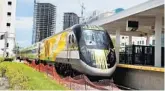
70,19
7,27
44,21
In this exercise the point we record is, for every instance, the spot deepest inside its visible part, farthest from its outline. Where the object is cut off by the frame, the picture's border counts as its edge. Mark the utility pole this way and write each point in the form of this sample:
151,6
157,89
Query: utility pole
82,11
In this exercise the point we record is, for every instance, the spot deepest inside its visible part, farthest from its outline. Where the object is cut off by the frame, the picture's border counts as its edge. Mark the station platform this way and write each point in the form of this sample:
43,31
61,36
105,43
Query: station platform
139,67
139,77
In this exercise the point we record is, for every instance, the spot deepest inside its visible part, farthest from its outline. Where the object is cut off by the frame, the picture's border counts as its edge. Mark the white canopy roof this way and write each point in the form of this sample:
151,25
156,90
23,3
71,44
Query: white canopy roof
145,13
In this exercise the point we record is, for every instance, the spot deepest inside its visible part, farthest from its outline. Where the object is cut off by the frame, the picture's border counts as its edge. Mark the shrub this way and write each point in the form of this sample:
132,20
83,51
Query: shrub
22,77
9,59
1,59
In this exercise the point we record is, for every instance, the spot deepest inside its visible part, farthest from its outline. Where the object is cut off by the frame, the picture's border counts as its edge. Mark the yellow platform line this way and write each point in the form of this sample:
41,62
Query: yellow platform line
147,68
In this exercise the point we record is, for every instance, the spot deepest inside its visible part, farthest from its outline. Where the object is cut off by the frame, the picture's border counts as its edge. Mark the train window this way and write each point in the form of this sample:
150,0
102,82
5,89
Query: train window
72,38
133,42
7,45
122,44
69,39
142,42
8,24
33,51
9,13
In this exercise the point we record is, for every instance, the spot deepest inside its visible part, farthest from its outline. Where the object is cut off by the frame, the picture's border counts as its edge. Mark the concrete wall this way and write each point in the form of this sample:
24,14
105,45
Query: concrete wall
139,79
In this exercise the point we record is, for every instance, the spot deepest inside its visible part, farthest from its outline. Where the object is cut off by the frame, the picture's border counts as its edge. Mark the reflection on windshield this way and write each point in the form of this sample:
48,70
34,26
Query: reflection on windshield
95,38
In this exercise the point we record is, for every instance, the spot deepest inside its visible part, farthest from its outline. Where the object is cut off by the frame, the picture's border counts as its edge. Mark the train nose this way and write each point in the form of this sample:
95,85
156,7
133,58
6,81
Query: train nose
95,62
100,57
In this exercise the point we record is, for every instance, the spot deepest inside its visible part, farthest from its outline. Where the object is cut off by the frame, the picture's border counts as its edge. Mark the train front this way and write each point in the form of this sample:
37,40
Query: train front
97,52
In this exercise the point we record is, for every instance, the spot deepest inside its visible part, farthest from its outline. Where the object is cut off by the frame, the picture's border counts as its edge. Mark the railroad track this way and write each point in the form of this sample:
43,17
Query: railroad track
100,85
105,84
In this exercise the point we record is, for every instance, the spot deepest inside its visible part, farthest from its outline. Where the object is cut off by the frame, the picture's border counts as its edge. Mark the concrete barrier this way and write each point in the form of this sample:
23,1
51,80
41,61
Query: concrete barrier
139,79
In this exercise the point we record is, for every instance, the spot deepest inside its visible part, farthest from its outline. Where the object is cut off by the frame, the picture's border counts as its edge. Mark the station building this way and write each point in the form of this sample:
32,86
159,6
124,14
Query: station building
143,20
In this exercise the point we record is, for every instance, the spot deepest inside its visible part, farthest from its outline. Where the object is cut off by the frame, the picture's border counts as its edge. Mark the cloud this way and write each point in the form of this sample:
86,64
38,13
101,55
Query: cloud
24,23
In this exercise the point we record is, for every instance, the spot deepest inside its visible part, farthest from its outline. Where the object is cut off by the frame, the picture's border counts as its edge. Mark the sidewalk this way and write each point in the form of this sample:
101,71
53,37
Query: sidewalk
4,83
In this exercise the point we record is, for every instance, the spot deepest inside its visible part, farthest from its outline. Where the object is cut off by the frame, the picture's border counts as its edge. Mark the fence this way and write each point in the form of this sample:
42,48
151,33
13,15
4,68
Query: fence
80,82
137,54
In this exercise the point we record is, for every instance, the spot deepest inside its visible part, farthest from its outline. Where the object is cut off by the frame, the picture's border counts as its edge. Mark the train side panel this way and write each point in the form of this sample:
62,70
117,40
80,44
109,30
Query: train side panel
59,47
29,52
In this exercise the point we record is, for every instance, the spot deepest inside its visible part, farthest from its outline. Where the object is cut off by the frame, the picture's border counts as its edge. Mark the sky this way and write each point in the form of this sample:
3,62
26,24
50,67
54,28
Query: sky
24,13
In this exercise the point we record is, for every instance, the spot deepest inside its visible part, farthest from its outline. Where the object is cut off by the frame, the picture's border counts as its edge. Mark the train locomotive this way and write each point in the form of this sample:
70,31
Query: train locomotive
88,49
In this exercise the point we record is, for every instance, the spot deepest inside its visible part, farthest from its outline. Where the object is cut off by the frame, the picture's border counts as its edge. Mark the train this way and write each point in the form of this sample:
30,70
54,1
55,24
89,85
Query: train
88,49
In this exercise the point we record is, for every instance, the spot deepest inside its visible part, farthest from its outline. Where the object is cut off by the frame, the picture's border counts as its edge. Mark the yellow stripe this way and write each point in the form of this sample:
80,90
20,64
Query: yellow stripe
105,60
95,58
100,58
141,67
102,62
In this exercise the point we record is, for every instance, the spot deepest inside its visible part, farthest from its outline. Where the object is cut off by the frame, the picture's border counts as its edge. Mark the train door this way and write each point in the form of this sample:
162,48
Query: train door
71,47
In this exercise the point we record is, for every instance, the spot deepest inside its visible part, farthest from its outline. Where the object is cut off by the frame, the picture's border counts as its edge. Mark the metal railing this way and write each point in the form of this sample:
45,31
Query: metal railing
141,55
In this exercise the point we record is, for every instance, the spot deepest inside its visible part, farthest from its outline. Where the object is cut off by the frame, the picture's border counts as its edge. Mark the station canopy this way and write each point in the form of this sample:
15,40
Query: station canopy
144,13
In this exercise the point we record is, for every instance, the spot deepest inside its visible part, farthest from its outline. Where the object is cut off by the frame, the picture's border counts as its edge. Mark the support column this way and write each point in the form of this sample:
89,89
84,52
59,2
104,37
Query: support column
158,29
117,46
148,40
130,40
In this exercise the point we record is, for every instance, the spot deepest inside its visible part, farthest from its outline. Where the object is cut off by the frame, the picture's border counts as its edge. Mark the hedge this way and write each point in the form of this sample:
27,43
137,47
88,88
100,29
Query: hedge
1,59
23,77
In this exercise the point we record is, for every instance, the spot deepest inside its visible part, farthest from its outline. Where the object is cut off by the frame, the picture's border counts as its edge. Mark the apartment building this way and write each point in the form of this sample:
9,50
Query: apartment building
7,27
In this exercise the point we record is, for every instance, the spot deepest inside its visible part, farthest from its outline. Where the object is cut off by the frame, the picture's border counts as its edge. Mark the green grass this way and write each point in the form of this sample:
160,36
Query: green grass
23,77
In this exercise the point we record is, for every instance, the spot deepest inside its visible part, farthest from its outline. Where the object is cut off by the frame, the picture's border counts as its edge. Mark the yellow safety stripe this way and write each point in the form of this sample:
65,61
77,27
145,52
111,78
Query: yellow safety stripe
141,67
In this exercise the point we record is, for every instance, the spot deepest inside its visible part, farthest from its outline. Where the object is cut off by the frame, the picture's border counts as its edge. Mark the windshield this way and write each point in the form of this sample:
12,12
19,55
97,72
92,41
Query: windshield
96,39
95,47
